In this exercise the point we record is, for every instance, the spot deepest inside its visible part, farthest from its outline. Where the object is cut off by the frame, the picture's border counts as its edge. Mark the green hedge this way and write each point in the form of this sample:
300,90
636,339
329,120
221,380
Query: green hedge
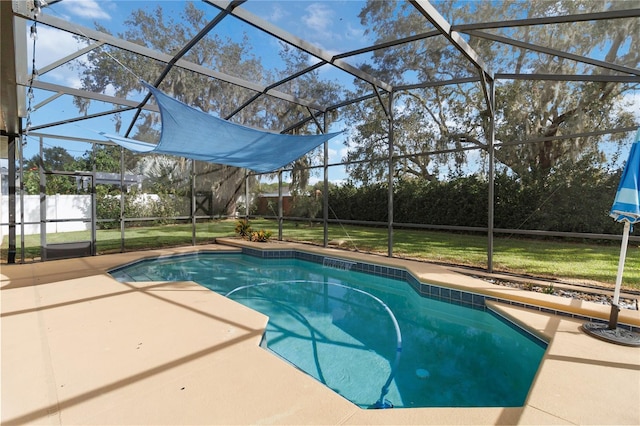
575,202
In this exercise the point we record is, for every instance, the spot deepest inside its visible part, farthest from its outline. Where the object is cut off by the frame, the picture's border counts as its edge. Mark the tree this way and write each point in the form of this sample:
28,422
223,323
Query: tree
156,30
308,202
307,86
122,71
532,109
54,159
106,158
455,116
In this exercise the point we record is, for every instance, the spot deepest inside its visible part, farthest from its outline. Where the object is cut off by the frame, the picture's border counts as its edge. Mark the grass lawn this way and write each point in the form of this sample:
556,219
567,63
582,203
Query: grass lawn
577,262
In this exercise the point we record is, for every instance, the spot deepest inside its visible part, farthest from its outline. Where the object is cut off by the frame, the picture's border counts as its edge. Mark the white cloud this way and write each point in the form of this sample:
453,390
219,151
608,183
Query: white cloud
88,9
51,46
353,33
277,14
318,17
343,152
110,90
332,155
336,155
72,80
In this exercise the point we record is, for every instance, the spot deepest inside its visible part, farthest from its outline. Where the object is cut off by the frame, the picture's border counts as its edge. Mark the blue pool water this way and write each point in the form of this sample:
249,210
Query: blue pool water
370,338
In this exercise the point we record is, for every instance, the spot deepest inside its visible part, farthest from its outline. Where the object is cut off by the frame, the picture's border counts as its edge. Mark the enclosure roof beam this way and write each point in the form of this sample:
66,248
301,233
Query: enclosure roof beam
351,101
274,85
464,28
126,105
185,49
298,124
315,120
337,106
331,108
91,34
82,118
462,80
70,138
162,57
487,94
553,52
191,43
48,100
388,44
301,44
43,85
565,19
571,77
69,58
454,37
382,105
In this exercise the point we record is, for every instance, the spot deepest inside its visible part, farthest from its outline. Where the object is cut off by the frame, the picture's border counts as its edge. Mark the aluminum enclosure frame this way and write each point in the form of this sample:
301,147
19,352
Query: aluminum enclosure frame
16,13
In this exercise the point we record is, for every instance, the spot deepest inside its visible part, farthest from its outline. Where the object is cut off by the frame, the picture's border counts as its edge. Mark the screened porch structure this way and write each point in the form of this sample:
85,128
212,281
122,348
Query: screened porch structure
21,127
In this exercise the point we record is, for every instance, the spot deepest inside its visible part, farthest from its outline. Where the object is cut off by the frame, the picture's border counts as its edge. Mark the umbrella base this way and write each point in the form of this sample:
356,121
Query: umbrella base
617,335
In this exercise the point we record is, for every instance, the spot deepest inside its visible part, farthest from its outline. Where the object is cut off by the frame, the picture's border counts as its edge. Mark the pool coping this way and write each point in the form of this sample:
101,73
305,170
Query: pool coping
58,370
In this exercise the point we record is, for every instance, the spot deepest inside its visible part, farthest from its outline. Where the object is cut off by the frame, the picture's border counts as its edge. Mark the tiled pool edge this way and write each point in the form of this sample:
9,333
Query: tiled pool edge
440,292
437,292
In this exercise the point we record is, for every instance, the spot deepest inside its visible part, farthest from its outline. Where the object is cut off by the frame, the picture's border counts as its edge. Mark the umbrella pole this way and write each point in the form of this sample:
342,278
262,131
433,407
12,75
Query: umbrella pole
613,319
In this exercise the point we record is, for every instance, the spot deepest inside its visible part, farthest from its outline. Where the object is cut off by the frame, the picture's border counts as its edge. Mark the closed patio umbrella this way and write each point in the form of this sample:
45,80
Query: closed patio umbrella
626,209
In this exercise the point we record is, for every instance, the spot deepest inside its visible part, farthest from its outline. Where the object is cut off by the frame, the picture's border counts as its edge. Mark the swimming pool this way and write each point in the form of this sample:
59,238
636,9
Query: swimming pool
369,337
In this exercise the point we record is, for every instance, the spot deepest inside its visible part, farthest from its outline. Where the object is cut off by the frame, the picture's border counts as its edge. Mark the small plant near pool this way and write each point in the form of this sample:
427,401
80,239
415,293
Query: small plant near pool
260,236
243,228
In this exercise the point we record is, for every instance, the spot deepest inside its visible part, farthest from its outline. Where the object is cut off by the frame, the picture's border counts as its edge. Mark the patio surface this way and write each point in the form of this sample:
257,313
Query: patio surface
79,347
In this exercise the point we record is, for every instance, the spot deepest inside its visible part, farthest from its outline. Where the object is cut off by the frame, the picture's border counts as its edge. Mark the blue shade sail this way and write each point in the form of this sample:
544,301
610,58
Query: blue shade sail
190,133
626,206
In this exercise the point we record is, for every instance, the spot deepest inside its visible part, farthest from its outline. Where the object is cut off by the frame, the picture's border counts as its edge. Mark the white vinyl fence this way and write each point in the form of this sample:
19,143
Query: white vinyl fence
58,207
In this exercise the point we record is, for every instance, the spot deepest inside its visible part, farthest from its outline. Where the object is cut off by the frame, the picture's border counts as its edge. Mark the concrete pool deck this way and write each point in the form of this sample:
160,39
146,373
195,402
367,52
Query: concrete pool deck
79,347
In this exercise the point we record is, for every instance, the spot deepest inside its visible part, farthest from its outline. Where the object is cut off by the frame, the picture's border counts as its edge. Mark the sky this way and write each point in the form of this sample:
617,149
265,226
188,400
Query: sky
331,25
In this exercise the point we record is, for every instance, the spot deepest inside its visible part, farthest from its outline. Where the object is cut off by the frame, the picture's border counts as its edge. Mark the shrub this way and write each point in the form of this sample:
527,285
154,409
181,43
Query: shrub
260,236
107,207
306,205
243,228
